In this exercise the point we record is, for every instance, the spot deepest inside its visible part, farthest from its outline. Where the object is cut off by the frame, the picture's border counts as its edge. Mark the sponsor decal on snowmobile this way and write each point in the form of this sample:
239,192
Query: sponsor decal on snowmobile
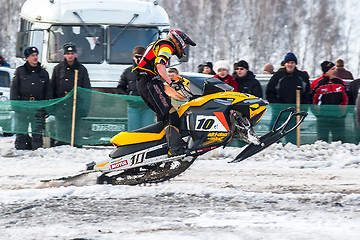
216,137
119,164
206,149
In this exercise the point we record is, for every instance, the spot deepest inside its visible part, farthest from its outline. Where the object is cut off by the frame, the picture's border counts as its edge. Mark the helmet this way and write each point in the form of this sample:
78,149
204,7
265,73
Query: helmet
181,40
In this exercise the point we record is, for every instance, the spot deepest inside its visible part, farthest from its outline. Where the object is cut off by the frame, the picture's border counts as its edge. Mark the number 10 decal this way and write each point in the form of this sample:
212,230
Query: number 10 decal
204,124
212,123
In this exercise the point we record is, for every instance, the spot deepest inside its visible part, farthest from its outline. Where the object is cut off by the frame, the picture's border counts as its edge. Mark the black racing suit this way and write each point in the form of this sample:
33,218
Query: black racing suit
151,89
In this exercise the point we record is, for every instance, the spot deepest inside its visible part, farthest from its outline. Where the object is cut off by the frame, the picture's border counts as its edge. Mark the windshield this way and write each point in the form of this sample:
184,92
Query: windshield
122,40
89,43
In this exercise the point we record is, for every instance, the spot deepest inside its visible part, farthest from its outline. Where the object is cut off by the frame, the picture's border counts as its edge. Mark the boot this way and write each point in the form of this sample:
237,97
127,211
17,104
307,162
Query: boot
174,141
21,141
37,141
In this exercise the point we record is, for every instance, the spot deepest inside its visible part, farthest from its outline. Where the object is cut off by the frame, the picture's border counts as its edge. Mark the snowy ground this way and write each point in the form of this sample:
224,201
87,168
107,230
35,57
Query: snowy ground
311,192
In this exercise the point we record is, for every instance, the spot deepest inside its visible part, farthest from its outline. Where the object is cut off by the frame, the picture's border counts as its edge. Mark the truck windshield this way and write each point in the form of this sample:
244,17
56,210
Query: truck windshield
122,40
89,42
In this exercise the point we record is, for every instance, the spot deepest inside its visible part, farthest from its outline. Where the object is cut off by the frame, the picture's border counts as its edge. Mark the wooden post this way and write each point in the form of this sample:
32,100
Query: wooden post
298,92
74,109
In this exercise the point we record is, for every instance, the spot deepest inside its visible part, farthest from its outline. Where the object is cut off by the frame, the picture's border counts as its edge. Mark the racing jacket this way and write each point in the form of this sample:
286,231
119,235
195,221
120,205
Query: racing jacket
158,52
329,91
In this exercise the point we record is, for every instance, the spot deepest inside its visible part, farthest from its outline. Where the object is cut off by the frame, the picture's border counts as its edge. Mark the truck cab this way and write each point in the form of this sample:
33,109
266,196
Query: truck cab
105,32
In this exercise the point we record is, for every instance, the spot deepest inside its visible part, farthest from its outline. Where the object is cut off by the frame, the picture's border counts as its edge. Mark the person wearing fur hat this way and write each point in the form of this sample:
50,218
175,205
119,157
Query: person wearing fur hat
245,80
63,80
283,84
222,69
329,90
64,73
30,82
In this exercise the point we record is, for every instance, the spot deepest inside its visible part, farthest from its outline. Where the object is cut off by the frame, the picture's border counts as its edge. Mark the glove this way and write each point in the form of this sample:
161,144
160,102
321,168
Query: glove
176,85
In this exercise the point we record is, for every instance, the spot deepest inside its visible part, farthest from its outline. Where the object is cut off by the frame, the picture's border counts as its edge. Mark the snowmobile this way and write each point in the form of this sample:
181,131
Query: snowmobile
211,118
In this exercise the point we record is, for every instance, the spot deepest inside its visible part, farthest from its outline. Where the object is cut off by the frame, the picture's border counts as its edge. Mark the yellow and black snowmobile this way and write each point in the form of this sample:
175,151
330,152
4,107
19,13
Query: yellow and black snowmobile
212,117
209,120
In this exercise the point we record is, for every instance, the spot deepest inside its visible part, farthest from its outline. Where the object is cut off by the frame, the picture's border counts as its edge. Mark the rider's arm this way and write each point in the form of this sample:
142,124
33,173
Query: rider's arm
163,73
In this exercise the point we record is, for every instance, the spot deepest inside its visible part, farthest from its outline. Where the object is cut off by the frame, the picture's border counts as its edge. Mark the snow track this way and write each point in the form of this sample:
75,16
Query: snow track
286,192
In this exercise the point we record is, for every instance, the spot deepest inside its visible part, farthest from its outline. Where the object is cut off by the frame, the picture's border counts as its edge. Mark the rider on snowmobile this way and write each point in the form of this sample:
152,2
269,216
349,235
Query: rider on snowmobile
150,84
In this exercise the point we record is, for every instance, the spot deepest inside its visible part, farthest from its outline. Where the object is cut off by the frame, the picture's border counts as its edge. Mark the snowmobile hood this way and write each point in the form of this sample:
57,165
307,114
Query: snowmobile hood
236,96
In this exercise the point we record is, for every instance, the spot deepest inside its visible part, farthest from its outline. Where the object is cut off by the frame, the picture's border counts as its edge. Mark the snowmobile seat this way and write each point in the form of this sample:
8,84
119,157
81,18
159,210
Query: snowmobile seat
153,128
150,133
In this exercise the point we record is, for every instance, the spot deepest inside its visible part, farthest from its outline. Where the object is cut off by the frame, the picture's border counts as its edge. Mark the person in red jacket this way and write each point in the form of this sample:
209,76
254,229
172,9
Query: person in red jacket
222,69
330,90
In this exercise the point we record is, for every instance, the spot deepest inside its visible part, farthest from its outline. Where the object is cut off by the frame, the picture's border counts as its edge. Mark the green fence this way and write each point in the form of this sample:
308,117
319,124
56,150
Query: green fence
99,116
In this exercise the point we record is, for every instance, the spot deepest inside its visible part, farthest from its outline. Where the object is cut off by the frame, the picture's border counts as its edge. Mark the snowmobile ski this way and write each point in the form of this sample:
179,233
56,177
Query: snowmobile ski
274,135
71,177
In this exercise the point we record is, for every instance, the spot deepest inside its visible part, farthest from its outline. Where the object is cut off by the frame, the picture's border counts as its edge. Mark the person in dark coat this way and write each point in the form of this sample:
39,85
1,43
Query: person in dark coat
30,82
62,80
246,81
63,75
284,83
341,72
127,83
139,115
354,88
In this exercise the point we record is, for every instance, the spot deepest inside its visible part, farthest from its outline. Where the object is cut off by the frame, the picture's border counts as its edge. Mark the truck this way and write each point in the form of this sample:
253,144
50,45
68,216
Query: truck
104,31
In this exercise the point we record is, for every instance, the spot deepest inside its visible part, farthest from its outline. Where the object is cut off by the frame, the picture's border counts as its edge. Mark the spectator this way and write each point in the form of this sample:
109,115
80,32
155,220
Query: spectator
173,73
268,68
208,68
139,115
222,69
127,83
64,73
173,93
341,72
354,99
284,83
354,87
3,62
31,82
245,80
330,90
62,80
200,68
